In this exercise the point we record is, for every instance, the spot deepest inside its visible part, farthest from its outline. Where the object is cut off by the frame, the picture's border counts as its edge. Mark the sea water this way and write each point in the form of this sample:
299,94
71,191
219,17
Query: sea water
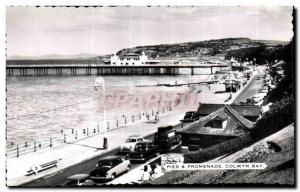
43,107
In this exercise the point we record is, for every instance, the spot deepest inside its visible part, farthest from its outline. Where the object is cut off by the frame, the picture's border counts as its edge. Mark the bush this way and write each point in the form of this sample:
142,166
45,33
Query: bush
284,88
280,115
217,150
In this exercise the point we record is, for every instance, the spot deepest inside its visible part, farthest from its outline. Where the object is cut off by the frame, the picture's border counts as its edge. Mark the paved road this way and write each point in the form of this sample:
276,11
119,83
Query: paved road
60,177
254,86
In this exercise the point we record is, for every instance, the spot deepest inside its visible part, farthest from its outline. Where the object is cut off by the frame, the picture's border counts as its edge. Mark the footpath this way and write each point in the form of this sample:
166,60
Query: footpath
212,94
76,152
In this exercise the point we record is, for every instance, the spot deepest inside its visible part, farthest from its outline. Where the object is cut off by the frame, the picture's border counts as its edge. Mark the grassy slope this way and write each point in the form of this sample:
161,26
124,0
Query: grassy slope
280,166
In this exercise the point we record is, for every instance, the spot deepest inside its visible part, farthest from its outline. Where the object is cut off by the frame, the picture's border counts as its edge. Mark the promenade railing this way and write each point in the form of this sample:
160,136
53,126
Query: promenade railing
73,135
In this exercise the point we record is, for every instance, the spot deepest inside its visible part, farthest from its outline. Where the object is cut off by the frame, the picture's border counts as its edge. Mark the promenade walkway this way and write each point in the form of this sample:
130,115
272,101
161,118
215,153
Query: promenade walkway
79,151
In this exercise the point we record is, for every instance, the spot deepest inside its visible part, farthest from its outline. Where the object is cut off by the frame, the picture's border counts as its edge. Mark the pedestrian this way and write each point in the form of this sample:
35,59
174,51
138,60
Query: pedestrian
157,172
146,174
156,118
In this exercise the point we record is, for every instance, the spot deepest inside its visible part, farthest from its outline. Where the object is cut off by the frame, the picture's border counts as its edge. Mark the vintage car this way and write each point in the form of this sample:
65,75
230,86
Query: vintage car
190,116
258,97
166,138
130,143
264,90
78,180
109,168
143,151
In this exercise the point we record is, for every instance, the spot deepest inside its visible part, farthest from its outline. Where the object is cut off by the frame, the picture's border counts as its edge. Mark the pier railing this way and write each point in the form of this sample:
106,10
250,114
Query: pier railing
73,135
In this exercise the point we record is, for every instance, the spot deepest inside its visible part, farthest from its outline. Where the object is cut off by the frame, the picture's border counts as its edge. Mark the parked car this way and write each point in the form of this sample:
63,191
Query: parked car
78,180
190,116
264,90
165,137
143,151
250,101
109,168
130,143
242,103
259,97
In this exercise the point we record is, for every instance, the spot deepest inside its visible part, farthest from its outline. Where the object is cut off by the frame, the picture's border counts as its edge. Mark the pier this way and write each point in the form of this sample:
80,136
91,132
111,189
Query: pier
19,68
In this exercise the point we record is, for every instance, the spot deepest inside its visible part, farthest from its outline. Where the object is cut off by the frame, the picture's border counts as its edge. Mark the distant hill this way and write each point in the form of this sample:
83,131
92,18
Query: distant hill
200,48
53,56
203,49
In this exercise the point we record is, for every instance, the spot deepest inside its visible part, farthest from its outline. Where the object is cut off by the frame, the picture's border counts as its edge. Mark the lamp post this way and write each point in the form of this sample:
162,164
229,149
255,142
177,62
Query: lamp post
105,141
100,81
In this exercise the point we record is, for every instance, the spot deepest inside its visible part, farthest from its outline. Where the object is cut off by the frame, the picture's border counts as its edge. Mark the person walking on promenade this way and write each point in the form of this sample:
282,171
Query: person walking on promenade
156,118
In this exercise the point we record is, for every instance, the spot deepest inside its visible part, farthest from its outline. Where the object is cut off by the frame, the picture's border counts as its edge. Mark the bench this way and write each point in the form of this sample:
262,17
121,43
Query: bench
38,168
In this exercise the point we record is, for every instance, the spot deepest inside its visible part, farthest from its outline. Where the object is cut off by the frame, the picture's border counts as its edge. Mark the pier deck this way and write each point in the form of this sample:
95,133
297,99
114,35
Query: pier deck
44,69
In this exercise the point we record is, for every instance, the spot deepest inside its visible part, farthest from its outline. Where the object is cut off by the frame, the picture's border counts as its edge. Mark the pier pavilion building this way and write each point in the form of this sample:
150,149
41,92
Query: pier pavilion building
130,59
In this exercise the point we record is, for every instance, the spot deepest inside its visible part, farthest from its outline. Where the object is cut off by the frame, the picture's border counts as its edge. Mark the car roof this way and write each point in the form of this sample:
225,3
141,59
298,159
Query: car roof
110,158
144,142
165,127
131,136
78,176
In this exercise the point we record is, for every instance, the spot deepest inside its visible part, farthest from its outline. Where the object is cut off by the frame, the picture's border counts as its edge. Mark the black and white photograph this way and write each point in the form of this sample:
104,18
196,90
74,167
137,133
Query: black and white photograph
139,96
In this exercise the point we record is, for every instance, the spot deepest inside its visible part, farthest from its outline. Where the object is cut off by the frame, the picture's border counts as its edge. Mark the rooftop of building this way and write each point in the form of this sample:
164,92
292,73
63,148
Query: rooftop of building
236,124
243,110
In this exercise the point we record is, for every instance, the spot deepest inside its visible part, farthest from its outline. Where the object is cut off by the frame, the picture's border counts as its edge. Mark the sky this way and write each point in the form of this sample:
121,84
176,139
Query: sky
33,31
